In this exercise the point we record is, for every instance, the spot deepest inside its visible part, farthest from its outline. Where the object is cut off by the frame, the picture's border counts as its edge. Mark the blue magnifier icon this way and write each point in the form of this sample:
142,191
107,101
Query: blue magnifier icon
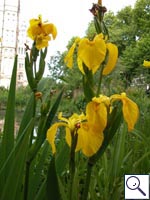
133,183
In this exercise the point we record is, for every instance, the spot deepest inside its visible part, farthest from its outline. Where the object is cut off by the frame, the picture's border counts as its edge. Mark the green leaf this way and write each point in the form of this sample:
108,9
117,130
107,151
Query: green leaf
118,152
62,158
41,193
53,191
27,116
38,165
8,134
15,174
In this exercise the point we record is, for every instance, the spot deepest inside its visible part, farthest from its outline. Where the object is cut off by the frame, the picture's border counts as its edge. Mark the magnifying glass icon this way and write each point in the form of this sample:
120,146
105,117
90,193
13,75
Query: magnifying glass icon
133,183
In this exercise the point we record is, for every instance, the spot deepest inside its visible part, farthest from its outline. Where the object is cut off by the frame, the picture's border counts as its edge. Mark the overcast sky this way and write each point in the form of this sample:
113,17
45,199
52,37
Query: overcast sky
70,17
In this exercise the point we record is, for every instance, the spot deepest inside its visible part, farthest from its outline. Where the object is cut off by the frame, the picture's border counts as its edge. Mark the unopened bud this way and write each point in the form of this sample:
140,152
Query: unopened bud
38,95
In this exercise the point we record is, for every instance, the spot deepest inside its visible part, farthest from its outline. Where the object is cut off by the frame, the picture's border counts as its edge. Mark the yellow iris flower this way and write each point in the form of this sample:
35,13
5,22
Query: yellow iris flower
146,63
89,128
92,53
40,32
130,109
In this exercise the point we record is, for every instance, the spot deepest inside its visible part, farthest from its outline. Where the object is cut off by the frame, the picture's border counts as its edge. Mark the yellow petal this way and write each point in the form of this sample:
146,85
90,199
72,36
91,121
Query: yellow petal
92,53
51,134
69,57
97,115
112,58
80,65
68,136
34,28
73,120
102,99
60,117
50,29
42,41
130,110
146,63
91,139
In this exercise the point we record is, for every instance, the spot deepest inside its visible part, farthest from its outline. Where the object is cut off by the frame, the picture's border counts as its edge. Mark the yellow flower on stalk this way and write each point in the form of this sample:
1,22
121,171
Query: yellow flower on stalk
146,63
93,53
41,32
129,108
89,129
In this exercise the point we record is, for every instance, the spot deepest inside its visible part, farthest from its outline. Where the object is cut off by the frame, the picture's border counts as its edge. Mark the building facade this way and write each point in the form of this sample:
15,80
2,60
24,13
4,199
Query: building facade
13,37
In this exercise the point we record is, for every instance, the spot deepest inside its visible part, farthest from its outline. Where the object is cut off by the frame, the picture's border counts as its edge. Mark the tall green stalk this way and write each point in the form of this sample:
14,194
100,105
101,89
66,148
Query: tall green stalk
28,163
72,164
100,80
87,181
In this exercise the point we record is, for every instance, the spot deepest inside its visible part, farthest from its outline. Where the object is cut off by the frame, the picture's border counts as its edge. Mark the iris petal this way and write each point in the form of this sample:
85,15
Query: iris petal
51,134
69,57
130,109
92,53
90,138
50,29
112,58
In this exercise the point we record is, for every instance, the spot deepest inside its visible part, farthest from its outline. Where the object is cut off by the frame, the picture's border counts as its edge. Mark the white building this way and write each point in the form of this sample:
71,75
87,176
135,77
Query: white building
13,34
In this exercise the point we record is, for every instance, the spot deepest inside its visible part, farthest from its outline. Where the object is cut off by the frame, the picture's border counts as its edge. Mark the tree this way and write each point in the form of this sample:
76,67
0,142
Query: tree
141,17
133,58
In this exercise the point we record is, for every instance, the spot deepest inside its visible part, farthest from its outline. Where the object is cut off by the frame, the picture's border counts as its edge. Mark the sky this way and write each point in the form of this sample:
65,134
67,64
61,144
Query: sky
70,17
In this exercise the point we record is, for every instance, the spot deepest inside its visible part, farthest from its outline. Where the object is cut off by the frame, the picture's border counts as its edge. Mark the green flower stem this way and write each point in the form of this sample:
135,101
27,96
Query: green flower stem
100,80
34,65
87,181
28,163
72,164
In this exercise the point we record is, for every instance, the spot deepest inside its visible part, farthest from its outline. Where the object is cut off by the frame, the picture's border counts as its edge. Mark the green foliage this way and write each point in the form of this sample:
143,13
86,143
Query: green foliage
141,17
22,96
133,58
3,97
